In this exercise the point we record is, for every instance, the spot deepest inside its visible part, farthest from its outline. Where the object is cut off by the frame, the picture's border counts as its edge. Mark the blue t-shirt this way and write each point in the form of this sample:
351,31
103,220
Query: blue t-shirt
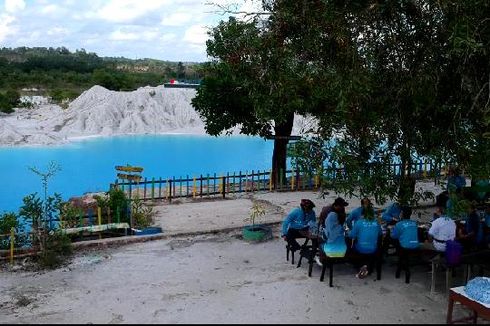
406,232
353,216
333,230
473,224
366,234
392,211
298,219
455,182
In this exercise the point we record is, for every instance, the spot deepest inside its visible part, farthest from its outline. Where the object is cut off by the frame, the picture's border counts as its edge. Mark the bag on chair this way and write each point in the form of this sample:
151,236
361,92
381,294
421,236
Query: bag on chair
454,249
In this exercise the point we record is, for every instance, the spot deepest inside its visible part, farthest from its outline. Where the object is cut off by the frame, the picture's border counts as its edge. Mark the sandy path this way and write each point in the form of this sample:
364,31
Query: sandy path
215,278
210,279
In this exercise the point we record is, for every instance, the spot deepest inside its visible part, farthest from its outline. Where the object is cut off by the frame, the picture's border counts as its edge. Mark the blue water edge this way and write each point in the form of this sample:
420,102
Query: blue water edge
88,165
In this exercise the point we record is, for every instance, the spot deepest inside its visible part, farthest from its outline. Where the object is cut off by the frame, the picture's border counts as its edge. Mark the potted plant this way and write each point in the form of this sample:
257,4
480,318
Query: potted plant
256,232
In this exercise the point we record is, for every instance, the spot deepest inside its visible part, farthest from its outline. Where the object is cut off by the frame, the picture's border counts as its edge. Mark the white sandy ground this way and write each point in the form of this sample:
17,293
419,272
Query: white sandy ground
186,277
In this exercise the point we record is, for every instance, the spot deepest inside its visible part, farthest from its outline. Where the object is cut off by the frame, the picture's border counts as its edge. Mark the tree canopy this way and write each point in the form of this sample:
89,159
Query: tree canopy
389,80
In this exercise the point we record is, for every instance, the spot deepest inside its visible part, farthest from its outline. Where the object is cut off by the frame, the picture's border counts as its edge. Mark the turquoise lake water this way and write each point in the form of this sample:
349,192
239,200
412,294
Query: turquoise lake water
88,165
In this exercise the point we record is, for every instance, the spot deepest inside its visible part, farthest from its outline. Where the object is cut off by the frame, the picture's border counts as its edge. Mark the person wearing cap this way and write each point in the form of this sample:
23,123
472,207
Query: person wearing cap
298,221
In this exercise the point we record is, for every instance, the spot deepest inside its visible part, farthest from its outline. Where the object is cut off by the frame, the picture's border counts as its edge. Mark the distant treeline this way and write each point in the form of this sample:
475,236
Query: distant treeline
62,74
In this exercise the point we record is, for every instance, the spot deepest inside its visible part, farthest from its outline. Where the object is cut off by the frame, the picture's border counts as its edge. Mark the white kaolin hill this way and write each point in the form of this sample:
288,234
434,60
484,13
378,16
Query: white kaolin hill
101,112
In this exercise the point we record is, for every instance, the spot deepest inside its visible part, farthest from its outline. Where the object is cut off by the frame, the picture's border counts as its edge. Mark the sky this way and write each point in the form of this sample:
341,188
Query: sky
173,30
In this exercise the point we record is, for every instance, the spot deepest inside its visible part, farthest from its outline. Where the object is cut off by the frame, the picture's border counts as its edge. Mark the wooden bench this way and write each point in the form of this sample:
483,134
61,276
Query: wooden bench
289,249
351,257
467,261
96,228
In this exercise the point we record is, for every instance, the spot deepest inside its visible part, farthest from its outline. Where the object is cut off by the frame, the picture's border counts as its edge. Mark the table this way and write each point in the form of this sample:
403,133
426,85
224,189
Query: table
458,295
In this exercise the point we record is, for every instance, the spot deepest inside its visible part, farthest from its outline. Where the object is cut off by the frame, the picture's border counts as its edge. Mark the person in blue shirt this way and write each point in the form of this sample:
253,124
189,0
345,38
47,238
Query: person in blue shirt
406,231
470,234
455,181
356,214
333,231
365,235
334,222
297,222
391,214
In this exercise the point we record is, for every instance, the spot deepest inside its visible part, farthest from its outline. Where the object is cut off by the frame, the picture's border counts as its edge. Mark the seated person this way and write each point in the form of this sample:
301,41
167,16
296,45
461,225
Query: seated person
365,235
391,214
298,221
356,214
486,225
333,232
405,231
455,181
470,233
442,229
338,205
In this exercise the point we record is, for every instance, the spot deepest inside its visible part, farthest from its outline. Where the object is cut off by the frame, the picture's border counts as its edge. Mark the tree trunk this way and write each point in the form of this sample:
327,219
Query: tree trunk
406,188
280,150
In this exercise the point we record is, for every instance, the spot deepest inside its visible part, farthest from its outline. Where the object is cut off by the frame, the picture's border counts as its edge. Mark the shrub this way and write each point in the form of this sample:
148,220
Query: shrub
7,222
57,249
142,214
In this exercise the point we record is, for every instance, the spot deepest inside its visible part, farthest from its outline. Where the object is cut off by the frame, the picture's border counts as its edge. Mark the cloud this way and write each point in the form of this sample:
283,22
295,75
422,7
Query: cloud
50,9
58,31
12,6
133,33
196,35
125,11
5,28
176,19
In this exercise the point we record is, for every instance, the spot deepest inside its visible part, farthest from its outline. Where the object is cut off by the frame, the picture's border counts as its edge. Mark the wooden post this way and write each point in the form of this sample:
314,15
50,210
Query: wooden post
240,182
200,184
99,215
180,187
160,188
130,189
12,243
172,188
228,182
144,189
187,185
207,188
223,185
253,175
153,189
246,180
194,189
170,191
270,181
99,218
292,181
280,179
233,190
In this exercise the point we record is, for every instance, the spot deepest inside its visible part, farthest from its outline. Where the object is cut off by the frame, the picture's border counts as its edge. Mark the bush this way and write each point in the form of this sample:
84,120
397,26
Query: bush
118,202
7,222
57,249
142,214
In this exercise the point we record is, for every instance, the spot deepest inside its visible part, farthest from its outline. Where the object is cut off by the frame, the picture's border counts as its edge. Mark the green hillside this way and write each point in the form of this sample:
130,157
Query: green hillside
62,74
